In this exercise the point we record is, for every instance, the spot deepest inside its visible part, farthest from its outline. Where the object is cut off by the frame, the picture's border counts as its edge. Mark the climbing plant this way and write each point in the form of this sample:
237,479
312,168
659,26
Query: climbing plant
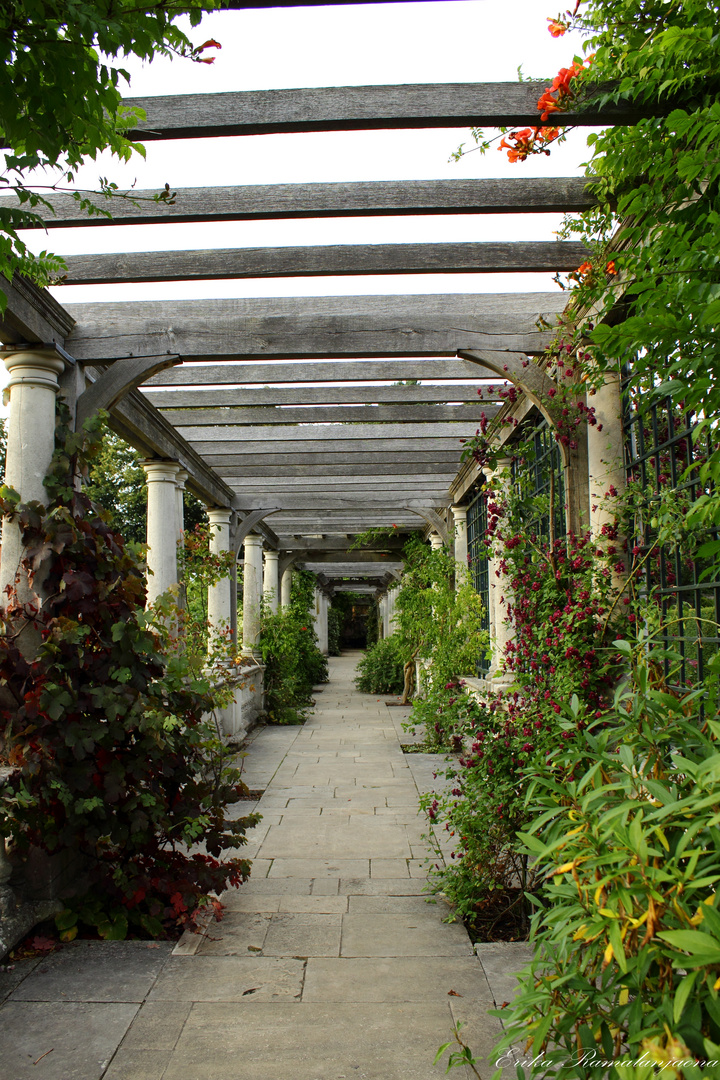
106,726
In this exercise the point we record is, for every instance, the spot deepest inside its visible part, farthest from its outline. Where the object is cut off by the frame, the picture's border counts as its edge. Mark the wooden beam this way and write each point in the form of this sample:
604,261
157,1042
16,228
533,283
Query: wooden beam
261,454
387,545
367,198
332,434
337,260
31,314
373,414
337,371
113,383
311,395
341,483
342,472
354,108
285,327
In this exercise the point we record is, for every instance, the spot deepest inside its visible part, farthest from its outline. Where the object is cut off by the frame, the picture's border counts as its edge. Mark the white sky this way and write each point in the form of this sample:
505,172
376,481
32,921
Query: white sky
450,41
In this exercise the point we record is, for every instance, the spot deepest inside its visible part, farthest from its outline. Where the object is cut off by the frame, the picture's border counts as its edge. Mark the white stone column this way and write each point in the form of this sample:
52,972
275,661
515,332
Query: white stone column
270,580
252,591
436,542
461,544
286,587
316,612
322,629
499,593
33,388
392,616
219,603
386,615
606,464
162,528
182,476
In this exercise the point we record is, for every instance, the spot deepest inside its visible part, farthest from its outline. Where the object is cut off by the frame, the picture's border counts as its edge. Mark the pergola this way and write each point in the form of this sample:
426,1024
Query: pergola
282,414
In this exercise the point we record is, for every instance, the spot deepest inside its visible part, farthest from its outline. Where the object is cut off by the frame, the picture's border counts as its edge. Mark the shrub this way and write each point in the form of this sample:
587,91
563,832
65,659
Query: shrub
381,669
335,622
107,726
293,662
627,840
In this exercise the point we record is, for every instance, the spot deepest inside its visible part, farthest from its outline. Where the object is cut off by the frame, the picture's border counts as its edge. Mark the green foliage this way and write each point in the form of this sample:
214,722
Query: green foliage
116,480
106,725
626,839
61,98
293,662
380,670
372,625
335,624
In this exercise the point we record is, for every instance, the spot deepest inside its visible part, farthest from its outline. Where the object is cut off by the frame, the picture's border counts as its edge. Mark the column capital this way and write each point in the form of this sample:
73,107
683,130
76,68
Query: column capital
219,515
436,542
34,367
253,540
271,554
158,469
459,513
181,478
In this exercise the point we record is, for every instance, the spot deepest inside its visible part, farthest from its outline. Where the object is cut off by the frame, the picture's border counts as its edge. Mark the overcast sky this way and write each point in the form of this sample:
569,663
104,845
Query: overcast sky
450,41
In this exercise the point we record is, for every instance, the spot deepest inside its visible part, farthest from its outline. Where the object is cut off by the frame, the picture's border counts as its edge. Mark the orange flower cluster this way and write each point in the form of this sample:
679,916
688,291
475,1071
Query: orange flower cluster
557,28
555,98
528,141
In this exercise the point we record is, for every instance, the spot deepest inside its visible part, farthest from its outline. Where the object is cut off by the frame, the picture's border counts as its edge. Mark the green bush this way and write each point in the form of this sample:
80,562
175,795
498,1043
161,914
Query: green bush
335,622
293,662
381,669
626,835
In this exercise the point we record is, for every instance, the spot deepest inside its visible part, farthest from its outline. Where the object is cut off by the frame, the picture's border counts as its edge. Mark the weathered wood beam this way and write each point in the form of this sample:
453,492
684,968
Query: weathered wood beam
113,383
312,395
341,472
373,414
32,314
355,108
341,483
286,327
273,396
193,374
332,434
331,260
368,198
396,450
387,546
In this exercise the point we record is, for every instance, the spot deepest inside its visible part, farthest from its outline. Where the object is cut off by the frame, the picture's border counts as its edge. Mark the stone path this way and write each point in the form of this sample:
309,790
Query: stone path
330,963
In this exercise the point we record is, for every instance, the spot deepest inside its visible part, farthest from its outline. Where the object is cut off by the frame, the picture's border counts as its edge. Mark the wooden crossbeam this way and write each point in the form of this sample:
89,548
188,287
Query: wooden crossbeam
285,327
367,198
384,445
355,108
318,371
311,395
331,260
344,471
221,416
329,434
319,458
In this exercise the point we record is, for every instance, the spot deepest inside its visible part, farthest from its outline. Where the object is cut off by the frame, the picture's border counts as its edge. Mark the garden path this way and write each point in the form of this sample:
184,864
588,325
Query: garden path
330,963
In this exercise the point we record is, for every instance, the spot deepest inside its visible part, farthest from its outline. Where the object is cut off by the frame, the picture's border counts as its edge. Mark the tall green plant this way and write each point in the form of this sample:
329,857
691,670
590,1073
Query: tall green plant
293,662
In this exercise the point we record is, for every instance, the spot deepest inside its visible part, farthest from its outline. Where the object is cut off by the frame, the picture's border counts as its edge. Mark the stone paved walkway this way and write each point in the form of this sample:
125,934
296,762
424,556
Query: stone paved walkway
330,963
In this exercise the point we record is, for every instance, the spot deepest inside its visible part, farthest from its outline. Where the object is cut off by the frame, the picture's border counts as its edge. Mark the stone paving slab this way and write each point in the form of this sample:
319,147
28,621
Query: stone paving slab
393,979
311,1041
89,971
229,978
69,1040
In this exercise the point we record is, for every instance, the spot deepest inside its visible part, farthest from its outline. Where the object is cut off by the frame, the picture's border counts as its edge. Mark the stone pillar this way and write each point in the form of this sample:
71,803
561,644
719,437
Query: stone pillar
436,542
162,528
392,617
461,544
219,604
606,463
322,623
270,580
180,522
286,587
33,388
252,591
386,615
499,588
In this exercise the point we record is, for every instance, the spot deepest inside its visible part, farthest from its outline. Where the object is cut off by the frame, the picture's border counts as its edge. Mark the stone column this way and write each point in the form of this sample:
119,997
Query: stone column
436,542
461,544
386,615
162,528
252,591
182,476
219,604
606,463
286,587
32,388
499,588
322,624
270,580
392,617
